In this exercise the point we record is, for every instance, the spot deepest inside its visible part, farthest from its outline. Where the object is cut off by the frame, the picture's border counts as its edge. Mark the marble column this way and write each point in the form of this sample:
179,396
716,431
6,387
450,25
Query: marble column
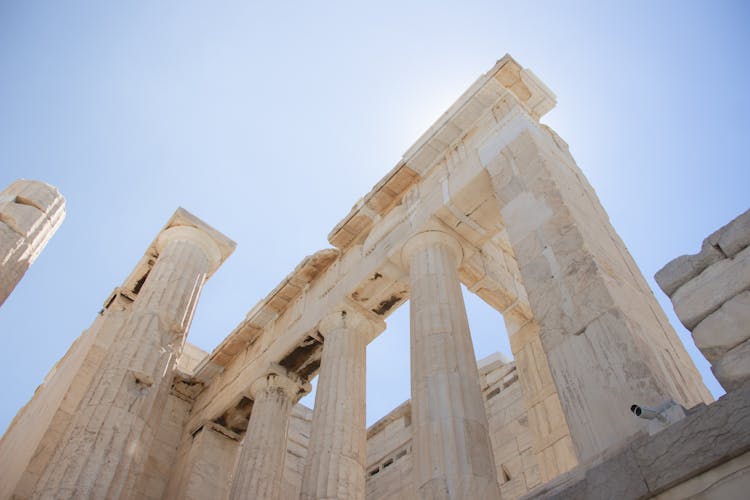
335,465
30,213
105,446
260,467
452,451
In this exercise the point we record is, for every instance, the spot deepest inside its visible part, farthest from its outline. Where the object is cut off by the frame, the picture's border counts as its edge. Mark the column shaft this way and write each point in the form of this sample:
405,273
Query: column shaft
107,441
335,466
452,450
260,467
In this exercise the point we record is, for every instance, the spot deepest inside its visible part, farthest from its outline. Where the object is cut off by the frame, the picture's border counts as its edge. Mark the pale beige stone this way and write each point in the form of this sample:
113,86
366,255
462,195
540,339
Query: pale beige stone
725,328
588,299
390,455
728,480
715,304
489,197
298,440
104,449
260,466
705,293
207,474
39,427
30,213
164,462
335,463
733,368
724,243
734,236
451,438
686,267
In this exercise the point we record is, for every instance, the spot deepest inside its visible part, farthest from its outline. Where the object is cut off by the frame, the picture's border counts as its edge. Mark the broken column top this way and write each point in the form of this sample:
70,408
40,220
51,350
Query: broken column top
180,218
39,195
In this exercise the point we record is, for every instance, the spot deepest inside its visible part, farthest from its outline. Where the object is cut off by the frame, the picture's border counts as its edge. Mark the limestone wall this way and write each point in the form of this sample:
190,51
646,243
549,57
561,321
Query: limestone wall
297,441
389,456
389,441
164,450
702,456
203,464
517,466
710,292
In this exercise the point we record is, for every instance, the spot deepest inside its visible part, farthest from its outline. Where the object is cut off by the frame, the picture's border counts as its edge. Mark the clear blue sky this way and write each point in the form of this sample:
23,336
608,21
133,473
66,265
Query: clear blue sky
269,122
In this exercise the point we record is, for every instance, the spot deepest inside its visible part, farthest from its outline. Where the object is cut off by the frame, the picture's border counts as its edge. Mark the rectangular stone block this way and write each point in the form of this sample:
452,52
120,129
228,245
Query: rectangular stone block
702,440
735,236
618,477
24,219
686,267
705,293
733,368
725,328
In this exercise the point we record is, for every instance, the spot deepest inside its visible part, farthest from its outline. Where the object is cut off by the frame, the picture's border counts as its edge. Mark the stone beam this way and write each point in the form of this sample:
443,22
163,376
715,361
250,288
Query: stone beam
506,77
266,312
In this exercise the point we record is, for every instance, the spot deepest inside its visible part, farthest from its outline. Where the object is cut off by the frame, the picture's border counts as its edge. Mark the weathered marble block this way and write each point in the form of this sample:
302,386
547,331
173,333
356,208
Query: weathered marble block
710,292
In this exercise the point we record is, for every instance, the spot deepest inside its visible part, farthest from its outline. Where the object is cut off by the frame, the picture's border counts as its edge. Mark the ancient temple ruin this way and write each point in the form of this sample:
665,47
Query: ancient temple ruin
488,197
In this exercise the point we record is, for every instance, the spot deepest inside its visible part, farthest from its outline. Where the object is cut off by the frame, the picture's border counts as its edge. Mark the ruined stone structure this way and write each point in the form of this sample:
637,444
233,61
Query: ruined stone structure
711,295
704,452
488,197
30,213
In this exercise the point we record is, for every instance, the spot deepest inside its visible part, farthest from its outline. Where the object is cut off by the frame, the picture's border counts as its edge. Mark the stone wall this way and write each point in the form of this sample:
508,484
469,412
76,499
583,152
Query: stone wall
703,456
516,462
710,292
389,441
296,451
389,456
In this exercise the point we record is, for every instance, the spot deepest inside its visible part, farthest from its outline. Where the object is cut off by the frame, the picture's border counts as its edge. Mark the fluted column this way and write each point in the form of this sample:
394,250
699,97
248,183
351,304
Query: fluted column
260,467
106,443
30,213
335,464
452,451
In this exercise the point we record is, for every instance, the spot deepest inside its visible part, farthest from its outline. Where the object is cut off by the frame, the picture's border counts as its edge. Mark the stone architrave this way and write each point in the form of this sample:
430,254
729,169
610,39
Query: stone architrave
335,464
30,213
259,469
452,450
105,446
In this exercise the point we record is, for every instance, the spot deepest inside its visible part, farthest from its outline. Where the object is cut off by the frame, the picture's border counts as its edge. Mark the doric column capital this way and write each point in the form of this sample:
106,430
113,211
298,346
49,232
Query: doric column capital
429,238
194,236
277,378
349,318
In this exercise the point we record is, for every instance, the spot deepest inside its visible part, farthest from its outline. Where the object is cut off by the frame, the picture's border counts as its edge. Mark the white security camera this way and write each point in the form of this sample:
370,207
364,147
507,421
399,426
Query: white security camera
660,417
648,413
